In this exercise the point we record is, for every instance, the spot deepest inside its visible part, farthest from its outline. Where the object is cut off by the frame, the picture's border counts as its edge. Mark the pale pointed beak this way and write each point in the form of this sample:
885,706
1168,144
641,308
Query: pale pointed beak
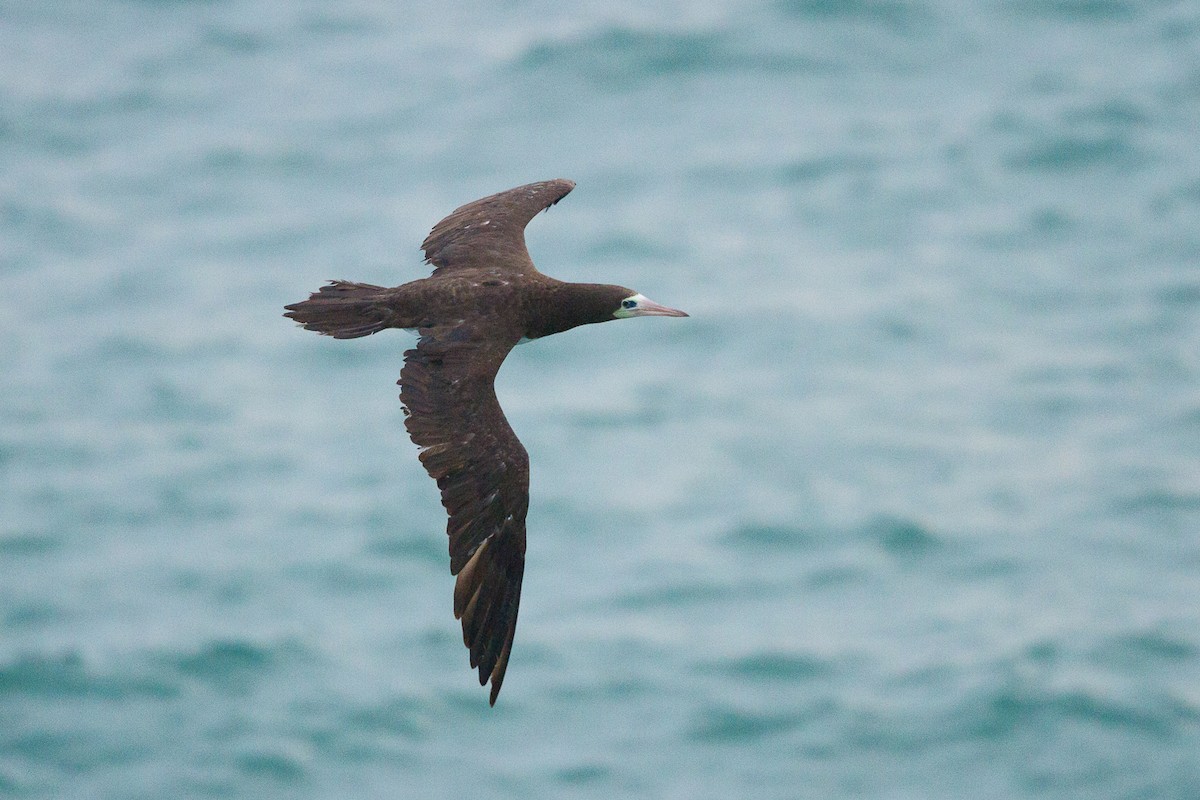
649,308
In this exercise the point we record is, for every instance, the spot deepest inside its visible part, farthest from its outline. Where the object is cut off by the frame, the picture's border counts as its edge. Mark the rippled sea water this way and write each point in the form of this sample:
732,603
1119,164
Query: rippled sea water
909,508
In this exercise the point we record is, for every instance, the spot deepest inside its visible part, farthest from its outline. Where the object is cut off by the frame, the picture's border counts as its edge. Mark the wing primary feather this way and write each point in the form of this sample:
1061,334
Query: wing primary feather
482,470
490,232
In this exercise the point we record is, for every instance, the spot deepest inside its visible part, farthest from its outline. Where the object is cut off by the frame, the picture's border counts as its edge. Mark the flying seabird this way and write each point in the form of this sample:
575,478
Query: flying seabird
484,297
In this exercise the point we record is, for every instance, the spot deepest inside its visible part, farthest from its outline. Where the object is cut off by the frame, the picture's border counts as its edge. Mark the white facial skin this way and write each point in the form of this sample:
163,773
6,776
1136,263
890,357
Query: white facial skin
638,305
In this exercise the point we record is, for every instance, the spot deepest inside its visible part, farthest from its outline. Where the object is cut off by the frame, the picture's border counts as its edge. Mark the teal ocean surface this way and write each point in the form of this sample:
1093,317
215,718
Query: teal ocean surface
909,508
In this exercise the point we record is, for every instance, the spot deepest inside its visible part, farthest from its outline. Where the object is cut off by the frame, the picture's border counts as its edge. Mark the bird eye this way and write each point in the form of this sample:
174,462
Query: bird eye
628,303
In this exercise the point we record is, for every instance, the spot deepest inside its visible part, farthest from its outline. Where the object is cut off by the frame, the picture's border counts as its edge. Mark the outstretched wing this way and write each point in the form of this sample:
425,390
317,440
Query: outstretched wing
491,232
482,469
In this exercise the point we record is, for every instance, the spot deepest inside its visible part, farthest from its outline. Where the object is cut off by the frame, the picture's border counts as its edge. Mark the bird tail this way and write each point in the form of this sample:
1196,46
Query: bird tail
344,310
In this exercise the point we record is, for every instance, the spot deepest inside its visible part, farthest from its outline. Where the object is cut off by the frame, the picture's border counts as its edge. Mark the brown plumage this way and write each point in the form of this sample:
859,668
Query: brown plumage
483,297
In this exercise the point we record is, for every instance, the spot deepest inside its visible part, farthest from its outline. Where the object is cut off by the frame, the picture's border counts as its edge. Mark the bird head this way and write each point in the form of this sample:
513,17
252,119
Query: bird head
638,305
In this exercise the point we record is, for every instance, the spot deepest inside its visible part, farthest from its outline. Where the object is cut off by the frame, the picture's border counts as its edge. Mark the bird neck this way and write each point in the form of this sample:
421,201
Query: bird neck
568,305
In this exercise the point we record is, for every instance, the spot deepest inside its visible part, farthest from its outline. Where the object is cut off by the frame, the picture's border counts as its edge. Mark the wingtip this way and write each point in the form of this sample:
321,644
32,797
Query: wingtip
565,187
570,185
497,682
495,690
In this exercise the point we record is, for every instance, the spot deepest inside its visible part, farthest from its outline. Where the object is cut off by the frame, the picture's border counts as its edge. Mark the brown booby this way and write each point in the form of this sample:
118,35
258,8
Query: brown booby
484,297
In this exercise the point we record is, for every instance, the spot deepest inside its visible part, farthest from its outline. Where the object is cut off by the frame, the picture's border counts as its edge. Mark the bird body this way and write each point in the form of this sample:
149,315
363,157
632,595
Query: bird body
534,307
484,297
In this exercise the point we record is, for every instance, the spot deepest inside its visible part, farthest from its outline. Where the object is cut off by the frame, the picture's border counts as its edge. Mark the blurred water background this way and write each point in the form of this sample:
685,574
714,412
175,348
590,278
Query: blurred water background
909,508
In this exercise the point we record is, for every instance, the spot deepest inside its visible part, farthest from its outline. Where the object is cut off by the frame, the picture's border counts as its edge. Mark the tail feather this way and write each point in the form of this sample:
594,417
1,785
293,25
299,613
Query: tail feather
344,310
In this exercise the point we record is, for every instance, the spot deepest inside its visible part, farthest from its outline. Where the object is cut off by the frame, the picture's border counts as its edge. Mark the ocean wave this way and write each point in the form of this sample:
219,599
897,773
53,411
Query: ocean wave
232,665
773,667
274,764
1139,649
69,675
1069,152
901,537
28,543
626,56
1022,708
1161,500
583,774
1074,10
896,15
426,549
680,594
399,716
769,537
734,726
